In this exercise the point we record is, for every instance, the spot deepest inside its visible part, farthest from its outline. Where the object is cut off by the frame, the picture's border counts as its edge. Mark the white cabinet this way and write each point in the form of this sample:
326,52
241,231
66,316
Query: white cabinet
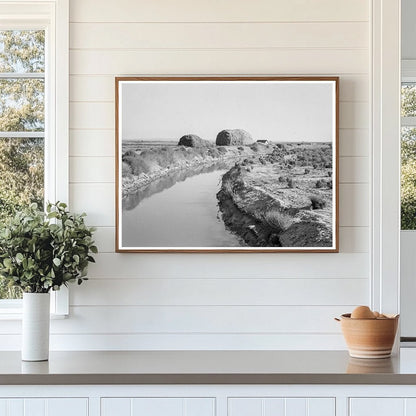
382,406
159,406
208,400
281,406
44,407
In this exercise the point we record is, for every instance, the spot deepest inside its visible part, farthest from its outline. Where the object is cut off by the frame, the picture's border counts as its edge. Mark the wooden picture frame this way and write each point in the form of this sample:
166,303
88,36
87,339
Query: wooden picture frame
269,144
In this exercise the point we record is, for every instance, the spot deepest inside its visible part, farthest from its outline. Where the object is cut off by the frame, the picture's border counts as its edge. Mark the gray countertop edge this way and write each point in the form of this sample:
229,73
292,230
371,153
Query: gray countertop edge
130,379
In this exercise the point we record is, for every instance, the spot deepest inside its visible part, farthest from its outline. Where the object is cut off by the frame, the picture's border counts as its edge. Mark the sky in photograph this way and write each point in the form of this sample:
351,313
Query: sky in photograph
277,111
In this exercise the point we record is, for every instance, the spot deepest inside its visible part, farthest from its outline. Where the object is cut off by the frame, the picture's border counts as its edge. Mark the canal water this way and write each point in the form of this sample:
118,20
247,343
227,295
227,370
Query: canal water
185,214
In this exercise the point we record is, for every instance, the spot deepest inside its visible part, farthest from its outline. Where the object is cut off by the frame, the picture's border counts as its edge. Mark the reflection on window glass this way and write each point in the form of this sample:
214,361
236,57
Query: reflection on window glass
408,99
22,109
408,179
21,173
408,158
22,51
22,105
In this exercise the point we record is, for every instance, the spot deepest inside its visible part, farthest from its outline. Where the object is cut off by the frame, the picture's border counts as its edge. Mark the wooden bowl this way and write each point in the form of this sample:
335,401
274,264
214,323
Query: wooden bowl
369,338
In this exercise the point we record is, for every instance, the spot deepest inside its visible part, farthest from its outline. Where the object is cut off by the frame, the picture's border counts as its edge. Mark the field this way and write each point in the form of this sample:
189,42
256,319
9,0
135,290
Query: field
283,198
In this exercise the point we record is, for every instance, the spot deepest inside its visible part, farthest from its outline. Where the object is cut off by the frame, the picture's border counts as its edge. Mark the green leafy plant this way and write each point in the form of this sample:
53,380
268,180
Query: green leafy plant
43,251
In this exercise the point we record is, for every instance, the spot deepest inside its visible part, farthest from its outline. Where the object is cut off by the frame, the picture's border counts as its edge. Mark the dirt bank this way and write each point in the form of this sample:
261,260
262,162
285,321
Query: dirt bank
142,166
270,204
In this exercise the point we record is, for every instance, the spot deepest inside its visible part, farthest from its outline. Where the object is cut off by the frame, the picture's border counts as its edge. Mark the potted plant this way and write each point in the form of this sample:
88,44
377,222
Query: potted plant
40,252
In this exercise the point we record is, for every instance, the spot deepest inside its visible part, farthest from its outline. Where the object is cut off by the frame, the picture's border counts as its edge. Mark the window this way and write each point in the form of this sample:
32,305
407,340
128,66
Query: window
408,154
22,125
33,114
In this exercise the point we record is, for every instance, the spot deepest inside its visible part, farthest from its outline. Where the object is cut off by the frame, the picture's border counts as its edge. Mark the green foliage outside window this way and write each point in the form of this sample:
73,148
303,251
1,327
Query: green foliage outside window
408,160
408,105
408,180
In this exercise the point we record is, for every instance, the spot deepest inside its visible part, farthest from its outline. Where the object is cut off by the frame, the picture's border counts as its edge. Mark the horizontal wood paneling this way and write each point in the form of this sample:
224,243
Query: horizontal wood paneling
105,239
92,169
194,319
273,265
354,170
353,115
93,143
92,115
218,291
352,239
218,35
218,11
191,341
99,88
97,199
353,88
95,88
220,62
200,319
354,142
354,208
200,301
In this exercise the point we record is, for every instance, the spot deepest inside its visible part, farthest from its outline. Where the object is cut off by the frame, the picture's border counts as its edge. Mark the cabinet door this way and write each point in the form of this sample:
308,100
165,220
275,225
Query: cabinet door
160,406
44,407
377,406
251,406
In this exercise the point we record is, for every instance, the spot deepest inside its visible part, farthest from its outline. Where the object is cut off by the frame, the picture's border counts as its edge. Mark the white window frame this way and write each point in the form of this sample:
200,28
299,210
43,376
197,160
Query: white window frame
53,17
408,236
385,156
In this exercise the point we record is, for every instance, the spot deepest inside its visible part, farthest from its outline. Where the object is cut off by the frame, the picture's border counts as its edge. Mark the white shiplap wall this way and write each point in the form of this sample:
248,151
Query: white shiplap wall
252,301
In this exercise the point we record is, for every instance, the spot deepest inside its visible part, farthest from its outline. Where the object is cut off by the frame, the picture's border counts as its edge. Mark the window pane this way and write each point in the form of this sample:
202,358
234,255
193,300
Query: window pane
21,173
408,178
408,144
22,51
21,183
409,99
22,105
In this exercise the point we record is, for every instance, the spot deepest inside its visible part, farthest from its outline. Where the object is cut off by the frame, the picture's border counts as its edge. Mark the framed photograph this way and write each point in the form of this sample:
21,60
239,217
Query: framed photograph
227,164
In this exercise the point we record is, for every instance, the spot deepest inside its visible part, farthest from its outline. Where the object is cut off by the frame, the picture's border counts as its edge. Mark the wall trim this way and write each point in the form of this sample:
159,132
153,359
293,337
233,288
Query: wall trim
385,115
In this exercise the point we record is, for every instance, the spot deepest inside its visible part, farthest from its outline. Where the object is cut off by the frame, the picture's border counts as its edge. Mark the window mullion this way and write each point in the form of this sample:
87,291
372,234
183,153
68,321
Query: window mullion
22,75
24,134
408,121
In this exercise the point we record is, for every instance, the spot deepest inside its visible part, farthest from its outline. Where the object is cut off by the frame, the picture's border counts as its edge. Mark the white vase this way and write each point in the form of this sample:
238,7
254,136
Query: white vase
35,326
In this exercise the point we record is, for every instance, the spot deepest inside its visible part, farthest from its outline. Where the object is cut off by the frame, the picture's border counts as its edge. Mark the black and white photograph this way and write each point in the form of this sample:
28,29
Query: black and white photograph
227,164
